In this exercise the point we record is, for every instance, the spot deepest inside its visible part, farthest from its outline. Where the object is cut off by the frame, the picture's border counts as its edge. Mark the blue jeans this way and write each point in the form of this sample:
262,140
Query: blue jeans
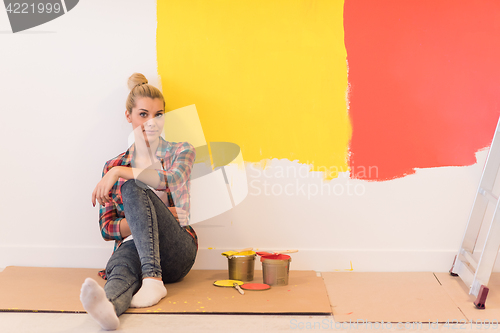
160,248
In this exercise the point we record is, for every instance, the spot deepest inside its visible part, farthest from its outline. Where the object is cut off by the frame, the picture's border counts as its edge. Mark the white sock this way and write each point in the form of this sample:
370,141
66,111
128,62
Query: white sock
151,292
98,306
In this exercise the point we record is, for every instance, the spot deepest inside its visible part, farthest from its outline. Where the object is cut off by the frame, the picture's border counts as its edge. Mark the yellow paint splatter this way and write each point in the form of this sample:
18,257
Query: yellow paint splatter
202,307
211,248
280,63
351,269
199,302
185,301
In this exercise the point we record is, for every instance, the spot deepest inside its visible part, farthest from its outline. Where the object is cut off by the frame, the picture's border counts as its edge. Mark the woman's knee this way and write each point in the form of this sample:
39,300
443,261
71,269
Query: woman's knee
126,255
123,272
133,188
130,187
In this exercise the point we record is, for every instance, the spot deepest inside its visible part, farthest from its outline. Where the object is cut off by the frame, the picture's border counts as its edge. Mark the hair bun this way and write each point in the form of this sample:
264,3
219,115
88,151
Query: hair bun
136,79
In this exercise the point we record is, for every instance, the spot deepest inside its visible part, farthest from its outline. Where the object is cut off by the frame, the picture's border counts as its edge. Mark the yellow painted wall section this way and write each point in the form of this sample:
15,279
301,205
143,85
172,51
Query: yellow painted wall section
270,76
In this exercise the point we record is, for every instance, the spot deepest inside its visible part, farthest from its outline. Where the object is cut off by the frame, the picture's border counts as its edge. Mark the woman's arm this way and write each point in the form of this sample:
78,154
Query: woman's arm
101,191
147,176
173,178
179,172
113,228
124,228
109,223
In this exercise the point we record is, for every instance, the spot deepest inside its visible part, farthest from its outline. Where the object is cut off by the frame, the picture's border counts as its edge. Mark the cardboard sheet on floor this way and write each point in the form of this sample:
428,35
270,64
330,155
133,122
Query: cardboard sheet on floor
389,297
459,293
58,290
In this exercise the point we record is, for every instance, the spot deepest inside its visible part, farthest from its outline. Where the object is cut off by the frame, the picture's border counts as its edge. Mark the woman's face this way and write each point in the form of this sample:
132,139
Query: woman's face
147,117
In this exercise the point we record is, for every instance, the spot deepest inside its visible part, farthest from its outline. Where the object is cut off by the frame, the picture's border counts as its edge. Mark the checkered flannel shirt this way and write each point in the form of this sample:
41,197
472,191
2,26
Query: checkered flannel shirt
177,159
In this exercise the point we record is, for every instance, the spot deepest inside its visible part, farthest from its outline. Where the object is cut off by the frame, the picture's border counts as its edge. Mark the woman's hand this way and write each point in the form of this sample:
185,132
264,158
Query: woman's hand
179,214
101,191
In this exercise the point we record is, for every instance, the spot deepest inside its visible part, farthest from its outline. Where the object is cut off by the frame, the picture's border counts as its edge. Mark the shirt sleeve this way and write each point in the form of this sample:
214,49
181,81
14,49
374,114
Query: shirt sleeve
109,223
179,172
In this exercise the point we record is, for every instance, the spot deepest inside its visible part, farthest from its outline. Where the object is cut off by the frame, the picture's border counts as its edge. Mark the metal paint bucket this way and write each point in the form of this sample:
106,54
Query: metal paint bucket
275,269
241,266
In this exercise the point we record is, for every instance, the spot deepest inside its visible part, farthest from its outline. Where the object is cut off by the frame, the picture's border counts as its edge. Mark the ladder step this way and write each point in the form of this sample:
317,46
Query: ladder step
489,195
468,260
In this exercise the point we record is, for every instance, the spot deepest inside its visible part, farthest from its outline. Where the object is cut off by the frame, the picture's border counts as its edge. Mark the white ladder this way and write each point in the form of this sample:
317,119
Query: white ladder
474,263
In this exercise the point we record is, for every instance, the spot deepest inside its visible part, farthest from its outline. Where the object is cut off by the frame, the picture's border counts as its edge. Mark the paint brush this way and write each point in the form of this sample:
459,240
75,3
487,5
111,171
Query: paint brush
262,253
286,251
237,287
230,283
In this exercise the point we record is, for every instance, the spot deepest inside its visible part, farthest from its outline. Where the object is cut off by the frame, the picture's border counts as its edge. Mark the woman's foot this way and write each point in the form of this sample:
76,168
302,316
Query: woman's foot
151,292
98,306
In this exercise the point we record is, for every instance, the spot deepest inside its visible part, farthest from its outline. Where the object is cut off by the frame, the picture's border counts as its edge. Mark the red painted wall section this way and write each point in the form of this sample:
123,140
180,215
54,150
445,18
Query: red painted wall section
424,81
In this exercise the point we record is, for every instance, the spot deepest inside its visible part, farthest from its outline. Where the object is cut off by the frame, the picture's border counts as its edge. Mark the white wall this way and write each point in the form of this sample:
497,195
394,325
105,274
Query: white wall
415,223
63,87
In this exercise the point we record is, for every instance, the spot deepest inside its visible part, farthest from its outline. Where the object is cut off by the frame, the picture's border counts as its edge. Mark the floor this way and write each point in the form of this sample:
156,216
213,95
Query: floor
29,322
81,323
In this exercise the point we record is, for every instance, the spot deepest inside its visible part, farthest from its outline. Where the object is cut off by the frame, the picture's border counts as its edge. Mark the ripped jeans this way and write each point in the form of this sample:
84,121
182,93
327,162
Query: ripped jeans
160,247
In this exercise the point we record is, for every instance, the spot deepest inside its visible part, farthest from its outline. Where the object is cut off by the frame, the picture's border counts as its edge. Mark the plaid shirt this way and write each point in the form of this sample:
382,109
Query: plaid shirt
177,159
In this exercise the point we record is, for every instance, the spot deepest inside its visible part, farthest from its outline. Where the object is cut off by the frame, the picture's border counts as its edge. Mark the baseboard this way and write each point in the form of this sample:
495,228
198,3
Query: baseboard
56,256
348,260
305,259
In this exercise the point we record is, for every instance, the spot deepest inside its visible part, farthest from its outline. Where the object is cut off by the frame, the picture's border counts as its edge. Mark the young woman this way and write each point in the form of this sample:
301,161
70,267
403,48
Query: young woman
144,198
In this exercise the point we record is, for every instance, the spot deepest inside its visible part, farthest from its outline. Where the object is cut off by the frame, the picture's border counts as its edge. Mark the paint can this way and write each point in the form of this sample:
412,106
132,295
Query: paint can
275,269
241,266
